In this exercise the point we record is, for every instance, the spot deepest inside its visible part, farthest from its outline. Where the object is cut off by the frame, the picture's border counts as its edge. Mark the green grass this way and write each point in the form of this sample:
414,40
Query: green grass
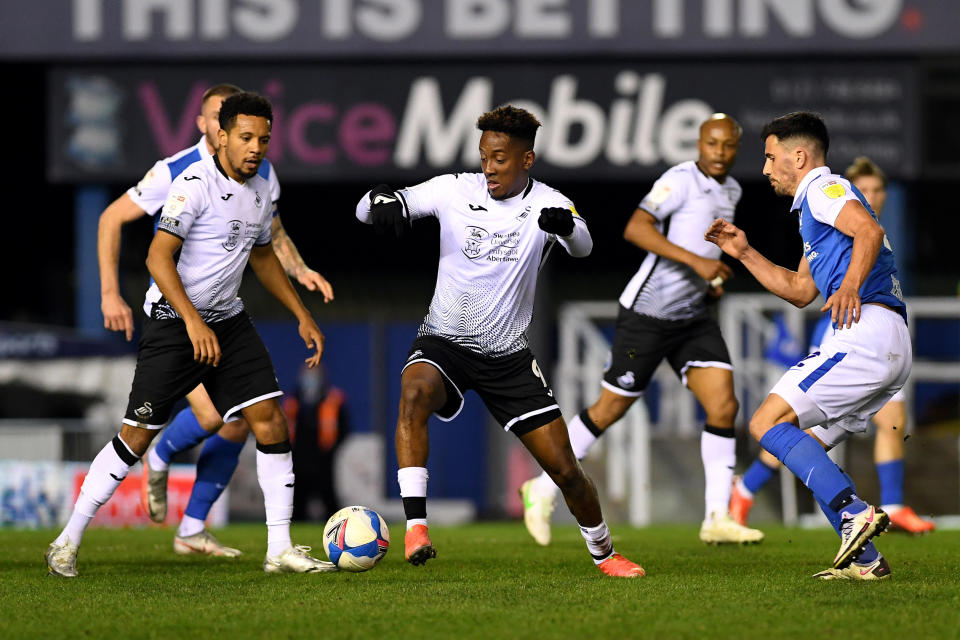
488,581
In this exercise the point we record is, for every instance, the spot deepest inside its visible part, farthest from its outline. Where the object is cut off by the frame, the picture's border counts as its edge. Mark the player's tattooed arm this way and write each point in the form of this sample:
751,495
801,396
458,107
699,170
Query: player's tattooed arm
293,262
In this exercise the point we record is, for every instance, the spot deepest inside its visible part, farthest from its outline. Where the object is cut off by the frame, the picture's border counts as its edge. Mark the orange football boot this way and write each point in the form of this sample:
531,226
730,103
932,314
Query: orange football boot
417,548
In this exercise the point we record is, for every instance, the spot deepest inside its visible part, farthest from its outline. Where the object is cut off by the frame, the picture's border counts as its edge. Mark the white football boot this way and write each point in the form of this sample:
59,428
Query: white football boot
537,509
62,559
296,560
720,528
204,543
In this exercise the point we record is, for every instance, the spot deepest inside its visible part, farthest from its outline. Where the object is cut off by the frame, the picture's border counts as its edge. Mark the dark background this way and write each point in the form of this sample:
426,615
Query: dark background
369,272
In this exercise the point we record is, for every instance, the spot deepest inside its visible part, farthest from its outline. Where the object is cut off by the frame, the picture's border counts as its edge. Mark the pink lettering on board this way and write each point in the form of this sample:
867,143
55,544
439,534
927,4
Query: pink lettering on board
365,132
300,118
169,139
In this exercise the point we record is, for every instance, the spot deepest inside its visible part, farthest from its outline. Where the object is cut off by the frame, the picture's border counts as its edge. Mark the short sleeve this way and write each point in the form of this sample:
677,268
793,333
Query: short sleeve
273,181
826,198
666,196
150,193
427,198
185,202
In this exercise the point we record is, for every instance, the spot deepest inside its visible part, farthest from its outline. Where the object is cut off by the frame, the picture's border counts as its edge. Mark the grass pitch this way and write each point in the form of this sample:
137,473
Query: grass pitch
488,581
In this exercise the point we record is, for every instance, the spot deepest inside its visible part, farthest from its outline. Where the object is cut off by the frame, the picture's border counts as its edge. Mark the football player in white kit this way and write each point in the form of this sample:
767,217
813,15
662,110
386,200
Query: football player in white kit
891,421
835,390
496,229
217,215
664,315
220,454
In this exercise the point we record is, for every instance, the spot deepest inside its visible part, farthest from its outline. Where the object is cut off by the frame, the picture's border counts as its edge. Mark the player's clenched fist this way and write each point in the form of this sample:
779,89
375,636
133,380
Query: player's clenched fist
386,212
556,220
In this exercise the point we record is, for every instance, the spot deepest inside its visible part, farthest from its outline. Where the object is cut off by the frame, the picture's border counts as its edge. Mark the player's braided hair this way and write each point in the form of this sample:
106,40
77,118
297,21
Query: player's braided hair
513,121
864,166
799,124
245,103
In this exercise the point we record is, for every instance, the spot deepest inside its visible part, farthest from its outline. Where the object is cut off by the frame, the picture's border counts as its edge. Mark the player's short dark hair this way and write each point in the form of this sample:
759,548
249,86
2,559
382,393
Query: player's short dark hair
223,90
864,166
244,103
513,121
799,124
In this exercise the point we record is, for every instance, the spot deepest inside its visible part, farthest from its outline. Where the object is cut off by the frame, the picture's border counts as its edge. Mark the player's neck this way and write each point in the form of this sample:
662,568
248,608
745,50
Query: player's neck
220,167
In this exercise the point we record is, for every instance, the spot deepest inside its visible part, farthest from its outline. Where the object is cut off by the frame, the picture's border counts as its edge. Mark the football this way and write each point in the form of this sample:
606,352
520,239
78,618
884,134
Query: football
356,538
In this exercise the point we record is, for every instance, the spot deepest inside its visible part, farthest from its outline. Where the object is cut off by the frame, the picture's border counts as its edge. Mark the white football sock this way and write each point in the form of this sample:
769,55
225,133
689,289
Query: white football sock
599,543
156,462
106,473
719,458
275,473
413,484
190,526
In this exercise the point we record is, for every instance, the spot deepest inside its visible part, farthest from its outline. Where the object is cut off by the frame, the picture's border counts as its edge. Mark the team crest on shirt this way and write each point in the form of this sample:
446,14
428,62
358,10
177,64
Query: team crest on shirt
234,231
833,189
627,380
475,239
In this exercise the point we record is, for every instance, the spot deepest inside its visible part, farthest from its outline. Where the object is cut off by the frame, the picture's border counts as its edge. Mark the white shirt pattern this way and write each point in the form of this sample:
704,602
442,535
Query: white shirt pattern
490,253
684,202
219,221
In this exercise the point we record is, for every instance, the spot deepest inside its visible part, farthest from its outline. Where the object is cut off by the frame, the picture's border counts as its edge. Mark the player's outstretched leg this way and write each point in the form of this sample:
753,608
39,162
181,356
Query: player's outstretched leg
539,494
550,446
106,473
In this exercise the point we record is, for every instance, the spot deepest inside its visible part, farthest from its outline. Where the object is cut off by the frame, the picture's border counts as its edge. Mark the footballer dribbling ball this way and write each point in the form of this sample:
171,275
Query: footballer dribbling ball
356,538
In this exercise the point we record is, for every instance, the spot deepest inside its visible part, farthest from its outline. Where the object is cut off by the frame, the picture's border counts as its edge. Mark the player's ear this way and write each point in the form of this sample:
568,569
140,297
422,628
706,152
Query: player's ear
202,125
222,136
528,157
800,157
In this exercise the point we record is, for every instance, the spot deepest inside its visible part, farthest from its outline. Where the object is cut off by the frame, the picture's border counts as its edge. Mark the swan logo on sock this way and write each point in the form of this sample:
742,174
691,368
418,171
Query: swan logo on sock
144,412
627,380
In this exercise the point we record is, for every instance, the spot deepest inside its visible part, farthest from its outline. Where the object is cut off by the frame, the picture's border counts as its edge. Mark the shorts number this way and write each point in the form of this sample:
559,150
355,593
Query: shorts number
537,372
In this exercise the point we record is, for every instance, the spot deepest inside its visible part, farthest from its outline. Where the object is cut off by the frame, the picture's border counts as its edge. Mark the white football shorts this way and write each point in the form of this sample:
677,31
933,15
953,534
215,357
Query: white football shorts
854,373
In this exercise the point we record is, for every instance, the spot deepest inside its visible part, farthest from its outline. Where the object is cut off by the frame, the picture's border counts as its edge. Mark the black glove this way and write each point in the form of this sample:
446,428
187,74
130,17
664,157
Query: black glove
386,212
556,220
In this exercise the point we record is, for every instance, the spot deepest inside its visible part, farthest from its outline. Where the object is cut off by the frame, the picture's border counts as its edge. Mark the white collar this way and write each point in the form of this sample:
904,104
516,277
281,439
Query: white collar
812,175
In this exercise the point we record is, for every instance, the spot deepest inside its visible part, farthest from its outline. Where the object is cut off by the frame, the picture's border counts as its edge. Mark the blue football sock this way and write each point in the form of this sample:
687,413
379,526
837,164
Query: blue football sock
757,475
182,433
891,481
216,465
810,463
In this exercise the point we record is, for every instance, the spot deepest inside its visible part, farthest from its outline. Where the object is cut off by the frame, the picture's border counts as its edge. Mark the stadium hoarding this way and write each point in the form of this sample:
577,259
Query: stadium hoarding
607,121
180,29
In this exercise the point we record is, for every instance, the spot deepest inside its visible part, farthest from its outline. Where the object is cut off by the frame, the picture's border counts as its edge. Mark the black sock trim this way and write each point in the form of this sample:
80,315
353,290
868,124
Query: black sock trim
280,447
842,499
590,424
128,458
720,431
415,508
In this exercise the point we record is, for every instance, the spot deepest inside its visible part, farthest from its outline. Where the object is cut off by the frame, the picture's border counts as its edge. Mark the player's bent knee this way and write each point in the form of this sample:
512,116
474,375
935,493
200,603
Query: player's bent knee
420,394
759,425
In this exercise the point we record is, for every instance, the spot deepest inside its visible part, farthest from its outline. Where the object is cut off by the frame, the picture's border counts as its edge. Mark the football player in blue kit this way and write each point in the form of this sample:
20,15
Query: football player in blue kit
834,391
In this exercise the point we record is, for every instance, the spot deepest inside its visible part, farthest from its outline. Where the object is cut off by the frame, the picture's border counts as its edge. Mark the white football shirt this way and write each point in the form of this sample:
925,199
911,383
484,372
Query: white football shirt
684,202
490,253
151,192
219,221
